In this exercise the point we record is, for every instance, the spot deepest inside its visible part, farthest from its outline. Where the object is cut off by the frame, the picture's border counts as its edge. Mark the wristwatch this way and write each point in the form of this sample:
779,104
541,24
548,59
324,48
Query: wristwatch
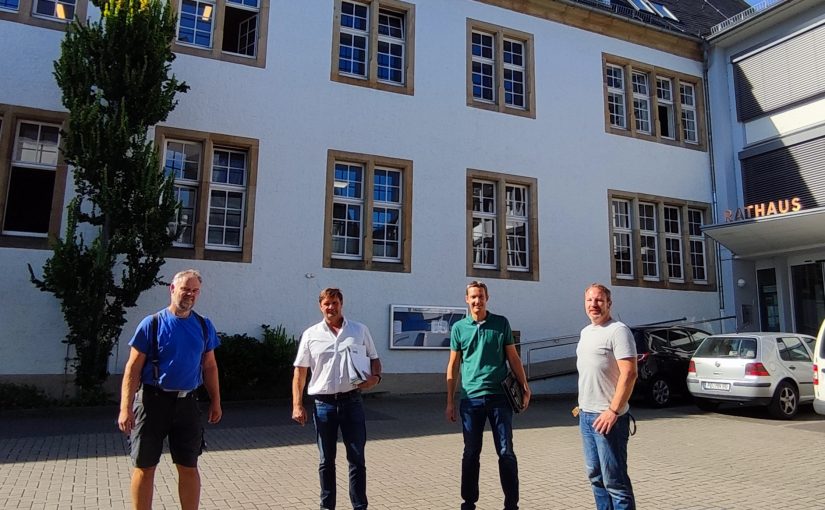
379,378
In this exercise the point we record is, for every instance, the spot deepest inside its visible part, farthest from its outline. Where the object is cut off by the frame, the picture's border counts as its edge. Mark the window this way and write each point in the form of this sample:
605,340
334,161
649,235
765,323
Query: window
615,96
791,349
502,230
689,129
653,116
649,241
641,102
664,98
373,44
32,176
649,236
52,14
214,178
229,30
500,68
367,224
622,239
673,243
696,218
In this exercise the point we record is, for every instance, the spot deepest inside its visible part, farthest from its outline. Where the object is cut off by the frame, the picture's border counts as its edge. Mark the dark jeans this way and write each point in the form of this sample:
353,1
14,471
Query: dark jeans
347,413
605,460
475,412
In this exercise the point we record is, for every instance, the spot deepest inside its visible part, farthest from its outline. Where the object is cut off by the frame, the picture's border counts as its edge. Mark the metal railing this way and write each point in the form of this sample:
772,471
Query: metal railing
742,16
557,366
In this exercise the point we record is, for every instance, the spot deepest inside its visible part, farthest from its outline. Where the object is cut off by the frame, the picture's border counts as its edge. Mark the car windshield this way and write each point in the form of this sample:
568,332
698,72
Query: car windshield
727,347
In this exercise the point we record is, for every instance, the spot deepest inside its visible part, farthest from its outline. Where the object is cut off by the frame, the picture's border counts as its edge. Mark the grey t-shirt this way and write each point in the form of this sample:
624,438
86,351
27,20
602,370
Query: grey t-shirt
599,348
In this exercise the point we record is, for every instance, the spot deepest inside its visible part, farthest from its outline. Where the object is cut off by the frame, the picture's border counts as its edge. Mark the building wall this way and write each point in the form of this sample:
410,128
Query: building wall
297,113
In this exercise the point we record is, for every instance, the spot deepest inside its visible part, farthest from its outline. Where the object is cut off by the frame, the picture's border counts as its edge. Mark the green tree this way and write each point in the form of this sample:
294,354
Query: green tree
116,83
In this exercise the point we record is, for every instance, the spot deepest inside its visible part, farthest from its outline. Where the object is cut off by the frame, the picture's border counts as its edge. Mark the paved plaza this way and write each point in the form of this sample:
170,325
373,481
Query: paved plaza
259,459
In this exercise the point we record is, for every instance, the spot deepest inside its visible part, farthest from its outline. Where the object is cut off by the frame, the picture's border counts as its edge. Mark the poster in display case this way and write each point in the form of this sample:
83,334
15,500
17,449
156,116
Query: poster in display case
423,327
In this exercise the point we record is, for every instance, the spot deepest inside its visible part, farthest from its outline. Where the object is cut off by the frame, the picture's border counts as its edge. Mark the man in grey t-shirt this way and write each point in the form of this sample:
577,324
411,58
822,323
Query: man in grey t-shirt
606,361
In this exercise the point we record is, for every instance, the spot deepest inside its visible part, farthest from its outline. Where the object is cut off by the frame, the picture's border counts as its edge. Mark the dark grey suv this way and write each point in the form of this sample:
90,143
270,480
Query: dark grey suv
663,357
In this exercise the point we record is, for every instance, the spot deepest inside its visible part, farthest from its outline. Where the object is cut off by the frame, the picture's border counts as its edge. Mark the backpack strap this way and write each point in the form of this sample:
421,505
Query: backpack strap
204,329
155,350
156,347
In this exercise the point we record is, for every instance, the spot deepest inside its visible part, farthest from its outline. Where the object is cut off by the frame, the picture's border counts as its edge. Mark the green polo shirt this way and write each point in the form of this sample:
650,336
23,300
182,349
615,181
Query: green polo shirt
483,360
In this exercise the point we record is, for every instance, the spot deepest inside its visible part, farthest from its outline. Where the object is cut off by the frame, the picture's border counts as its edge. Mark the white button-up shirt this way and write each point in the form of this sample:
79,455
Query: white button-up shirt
322,351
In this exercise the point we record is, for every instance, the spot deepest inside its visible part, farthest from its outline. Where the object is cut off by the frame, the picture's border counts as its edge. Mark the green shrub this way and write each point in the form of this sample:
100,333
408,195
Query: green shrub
22,396
253,369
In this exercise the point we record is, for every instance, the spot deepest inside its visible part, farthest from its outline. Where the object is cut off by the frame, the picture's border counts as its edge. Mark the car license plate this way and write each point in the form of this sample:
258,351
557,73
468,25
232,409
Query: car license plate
716,386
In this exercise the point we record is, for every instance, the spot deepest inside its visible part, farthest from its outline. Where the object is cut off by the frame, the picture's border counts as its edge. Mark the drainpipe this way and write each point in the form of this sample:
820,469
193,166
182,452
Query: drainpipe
715,202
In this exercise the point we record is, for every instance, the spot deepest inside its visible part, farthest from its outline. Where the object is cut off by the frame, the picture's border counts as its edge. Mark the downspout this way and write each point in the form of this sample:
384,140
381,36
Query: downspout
720,287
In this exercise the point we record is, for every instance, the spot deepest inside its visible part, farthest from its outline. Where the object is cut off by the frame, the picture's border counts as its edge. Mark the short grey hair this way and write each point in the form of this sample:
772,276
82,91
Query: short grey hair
186,273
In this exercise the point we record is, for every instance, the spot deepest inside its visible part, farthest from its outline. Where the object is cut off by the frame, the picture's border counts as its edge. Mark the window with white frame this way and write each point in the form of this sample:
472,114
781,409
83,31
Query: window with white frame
614,77
227,198
517,228
50,14
347,210
502,230
500,69
648,233
664,98
641,102
183,161
231,30
374,42
32,176
622,238
485,247
213,175
649,240
673,243
688,104
368,212
697,245
31,181
657,117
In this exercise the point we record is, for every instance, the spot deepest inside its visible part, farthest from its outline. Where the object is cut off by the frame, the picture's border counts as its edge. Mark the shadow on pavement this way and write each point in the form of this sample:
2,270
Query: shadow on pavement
92,432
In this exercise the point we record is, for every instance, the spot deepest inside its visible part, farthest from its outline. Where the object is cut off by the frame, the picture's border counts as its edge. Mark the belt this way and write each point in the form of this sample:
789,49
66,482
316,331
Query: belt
169,393
324,397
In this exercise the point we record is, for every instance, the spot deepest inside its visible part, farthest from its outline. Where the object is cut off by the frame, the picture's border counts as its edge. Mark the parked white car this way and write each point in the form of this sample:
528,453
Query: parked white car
770,369
819,371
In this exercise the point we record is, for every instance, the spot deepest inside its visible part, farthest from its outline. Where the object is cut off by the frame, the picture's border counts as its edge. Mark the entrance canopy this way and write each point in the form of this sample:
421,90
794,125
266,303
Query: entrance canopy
771,235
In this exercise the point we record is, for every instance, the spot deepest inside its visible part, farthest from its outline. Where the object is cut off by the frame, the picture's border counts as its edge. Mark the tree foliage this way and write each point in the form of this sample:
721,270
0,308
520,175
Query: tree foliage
116,83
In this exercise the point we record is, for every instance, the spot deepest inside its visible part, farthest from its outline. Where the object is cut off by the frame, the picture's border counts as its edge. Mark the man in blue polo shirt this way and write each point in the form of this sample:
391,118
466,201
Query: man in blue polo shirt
482,345
170,350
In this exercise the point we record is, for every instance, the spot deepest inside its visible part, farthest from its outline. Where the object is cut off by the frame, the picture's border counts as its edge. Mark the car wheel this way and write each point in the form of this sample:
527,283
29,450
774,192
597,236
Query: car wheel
658,393
705,404
785,402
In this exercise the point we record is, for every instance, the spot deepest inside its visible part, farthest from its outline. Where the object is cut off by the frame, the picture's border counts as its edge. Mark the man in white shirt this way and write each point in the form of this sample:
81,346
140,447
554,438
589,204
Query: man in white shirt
327,349
606,361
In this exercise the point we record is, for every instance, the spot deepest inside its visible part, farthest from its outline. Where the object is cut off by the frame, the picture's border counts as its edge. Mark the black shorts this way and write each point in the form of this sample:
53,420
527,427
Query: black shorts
159,414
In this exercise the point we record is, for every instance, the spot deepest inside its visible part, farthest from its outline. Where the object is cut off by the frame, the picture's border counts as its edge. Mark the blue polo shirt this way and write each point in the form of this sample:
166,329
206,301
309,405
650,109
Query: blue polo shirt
180,349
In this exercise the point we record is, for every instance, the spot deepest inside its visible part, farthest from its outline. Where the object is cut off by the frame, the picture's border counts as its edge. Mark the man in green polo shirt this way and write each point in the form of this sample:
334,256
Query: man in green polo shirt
481,344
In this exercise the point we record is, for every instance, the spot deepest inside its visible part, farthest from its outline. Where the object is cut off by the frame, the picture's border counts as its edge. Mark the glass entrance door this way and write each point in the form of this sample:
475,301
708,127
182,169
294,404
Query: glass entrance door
808,288
768,299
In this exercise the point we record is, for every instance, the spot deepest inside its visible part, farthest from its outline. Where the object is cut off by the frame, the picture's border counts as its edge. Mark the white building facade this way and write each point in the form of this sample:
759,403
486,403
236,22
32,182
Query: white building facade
766,72
396,150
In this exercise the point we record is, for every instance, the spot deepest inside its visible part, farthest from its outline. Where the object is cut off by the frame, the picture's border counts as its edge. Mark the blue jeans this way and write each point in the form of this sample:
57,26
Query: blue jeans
605,460
346,413
475,412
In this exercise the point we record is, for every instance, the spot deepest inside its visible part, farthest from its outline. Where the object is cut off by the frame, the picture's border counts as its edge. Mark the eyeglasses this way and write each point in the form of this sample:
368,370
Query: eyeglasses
477,283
